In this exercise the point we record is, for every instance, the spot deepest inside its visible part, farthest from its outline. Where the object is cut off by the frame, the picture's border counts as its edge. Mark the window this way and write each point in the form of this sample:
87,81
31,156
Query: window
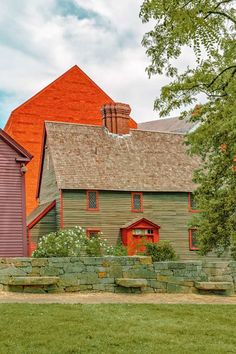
137,202
193,240
192,205
93,233
92,200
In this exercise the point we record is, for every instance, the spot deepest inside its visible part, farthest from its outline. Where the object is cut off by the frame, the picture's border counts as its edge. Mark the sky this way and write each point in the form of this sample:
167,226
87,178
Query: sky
41,39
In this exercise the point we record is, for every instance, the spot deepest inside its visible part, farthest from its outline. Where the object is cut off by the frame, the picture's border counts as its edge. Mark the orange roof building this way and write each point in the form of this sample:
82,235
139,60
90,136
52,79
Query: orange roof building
73,97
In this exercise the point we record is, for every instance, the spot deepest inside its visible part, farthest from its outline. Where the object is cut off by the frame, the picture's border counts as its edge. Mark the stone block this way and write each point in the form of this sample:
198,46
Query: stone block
34,290
220,278
160,265
31,281
99,287
39,262
140,273
102,274
74,268
51,271
131,283
145,260
85,287
110,288
115,271
214,285
59,259
106,280
174,288
88,278
35,271
15,289
68,280
71,289
4,279
219,264
12,271
176,265
157,284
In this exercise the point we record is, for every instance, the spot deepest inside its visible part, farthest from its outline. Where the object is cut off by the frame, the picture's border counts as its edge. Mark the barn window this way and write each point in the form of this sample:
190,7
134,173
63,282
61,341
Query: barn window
92,200
193,240
136,202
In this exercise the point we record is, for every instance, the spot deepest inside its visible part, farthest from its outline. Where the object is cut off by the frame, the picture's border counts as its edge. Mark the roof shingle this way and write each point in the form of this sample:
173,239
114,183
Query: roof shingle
89,157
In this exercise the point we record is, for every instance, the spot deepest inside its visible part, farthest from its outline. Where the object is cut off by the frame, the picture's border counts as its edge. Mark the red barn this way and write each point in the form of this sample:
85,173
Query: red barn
74,98
13,160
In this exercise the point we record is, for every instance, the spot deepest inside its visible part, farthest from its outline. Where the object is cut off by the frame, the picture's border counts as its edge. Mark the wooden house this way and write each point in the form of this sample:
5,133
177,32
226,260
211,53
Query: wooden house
119,181
73,97
13,161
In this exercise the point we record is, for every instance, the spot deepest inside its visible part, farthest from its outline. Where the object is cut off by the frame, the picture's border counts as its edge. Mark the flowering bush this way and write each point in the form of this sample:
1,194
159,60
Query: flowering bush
161,251
73,243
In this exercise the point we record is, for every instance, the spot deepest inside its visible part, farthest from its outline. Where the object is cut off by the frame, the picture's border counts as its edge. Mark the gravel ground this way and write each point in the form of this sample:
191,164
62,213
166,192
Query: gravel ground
110,298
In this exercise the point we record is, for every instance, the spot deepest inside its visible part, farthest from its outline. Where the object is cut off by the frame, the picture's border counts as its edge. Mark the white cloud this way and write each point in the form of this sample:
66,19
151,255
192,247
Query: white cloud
41,39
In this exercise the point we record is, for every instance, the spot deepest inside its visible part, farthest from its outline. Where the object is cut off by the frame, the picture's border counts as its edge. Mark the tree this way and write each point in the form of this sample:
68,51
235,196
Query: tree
209,28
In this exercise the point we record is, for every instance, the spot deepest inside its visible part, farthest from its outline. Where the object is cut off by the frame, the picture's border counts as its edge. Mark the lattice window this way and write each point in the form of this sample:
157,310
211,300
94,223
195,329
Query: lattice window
92,233
137,202
193,240
92,200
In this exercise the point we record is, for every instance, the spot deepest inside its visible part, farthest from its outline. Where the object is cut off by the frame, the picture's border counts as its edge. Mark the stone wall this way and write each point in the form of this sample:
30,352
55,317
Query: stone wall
136,274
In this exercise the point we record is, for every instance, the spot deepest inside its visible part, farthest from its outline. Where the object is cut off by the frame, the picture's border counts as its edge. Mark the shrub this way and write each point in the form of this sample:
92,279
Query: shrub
161,251
73,243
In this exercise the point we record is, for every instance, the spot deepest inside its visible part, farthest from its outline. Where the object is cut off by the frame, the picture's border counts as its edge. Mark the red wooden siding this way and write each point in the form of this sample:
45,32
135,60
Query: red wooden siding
12,211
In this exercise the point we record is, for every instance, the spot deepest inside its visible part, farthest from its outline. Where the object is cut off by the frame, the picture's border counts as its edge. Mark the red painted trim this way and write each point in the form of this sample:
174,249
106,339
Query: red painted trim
92,229
17,147
190,234
189,205
61,210
41,162
24,226
87,201
41,215
131,226
141,202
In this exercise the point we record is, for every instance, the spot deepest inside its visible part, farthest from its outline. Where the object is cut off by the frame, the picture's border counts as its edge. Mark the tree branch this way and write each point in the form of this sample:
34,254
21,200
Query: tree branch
221,14
222,72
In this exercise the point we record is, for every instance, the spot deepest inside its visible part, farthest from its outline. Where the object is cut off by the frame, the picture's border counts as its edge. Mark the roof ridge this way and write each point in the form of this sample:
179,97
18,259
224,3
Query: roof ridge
16,146
58,79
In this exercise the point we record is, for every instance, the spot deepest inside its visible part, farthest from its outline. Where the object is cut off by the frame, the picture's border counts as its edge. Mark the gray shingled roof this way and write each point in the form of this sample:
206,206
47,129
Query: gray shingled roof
89,157
174,125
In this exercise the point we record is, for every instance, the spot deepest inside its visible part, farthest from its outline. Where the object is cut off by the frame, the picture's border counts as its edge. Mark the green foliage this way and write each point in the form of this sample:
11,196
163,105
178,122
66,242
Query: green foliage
161,251
73,243
208,27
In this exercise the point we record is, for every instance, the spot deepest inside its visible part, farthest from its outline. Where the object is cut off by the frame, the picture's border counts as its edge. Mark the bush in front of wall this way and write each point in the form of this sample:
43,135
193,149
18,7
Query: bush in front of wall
74,243
161,251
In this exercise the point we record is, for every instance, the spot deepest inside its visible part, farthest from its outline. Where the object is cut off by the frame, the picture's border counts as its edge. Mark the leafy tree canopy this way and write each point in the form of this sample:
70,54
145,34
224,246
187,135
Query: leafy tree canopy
209,28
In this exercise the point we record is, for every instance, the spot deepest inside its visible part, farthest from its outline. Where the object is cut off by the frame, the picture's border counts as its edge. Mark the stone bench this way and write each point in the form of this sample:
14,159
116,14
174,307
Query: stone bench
226,287
32,281
131,283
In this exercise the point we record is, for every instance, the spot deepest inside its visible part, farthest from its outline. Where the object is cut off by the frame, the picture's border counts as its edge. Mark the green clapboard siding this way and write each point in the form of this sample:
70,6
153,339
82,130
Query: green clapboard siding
168,210
46,225
48,189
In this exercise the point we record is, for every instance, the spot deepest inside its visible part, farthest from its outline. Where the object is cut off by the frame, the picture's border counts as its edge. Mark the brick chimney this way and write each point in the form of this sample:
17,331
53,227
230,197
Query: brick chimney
115,117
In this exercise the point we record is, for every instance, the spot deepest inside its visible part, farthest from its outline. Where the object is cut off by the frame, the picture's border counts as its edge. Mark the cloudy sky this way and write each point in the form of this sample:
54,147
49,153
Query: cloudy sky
41,39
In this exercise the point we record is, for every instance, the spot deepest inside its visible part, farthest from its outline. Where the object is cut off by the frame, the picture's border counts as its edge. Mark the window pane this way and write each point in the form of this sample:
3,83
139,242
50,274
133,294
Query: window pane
194,239
137,201
93,233
92,200
193,203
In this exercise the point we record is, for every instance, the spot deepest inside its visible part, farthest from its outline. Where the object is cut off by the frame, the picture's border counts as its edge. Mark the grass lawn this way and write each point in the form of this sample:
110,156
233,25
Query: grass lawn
117,328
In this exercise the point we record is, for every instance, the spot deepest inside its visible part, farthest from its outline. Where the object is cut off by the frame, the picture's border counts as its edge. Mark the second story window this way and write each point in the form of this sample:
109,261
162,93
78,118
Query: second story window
137,202
192,205
92,200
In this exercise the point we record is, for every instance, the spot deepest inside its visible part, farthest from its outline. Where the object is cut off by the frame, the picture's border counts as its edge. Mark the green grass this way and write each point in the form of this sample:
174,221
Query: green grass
119,328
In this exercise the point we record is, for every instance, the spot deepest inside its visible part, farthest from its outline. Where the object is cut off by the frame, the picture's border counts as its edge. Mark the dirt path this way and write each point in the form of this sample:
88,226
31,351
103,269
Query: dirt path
110,298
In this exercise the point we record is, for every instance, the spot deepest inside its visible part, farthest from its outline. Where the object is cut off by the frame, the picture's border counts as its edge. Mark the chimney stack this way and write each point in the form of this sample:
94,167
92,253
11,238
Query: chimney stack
115,117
